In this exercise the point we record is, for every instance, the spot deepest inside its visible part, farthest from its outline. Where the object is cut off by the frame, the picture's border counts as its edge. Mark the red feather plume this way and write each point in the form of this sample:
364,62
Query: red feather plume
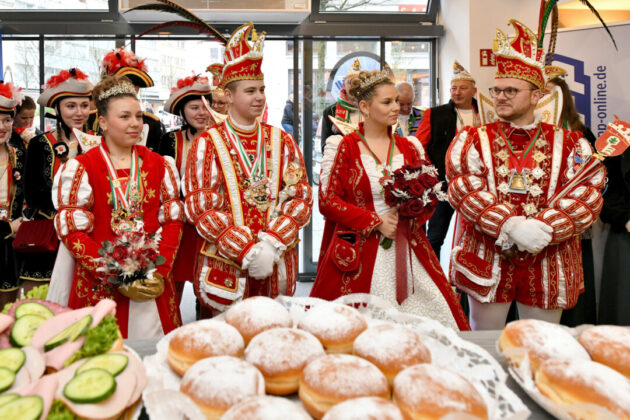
11,91
64,75
189,81
121,57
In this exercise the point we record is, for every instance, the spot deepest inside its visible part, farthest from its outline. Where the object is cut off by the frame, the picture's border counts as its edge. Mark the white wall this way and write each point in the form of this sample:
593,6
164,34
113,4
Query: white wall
470,25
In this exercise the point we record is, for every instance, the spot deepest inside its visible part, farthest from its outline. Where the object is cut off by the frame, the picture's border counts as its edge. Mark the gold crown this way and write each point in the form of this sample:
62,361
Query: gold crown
374,79
124,88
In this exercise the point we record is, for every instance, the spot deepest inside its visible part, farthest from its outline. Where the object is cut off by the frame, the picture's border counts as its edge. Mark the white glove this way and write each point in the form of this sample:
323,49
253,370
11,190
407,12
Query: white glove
262,265
531,235
504,241
250,256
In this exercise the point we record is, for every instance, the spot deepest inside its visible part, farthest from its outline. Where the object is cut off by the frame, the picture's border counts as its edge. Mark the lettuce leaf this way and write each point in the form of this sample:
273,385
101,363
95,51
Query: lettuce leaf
98,340
59,411
39,292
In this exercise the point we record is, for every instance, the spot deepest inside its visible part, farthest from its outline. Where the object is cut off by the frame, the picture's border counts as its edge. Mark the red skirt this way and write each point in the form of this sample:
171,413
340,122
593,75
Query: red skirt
190,246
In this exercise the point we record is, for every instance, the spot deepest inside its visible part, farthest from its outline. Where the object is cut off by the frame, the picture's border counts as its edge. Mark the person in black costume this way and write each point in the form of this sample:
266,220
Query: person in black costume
11,192
68,94
585,311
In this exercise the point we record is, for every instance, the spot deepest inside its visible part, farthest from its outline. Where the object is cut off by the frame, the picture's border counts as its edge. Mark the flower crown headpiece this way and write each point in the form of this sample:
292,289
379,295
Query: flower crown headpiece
123,88
377,78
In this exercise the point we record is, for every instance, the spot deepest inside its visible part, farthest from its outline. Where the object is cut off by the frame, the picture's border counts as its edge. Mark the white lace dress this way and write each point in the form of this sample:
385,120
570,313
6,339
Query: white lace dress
425,298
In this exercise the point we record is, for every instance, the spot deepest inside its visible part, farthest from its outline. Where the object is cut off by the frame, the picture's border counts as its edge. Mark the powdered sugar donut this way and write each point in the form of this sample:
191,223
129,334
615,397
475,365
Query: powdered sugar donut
578,382
266,408
334,378
217,383
201,339
257,314
366,408
335,325
281,354
608,345
540,340
427,391
392,348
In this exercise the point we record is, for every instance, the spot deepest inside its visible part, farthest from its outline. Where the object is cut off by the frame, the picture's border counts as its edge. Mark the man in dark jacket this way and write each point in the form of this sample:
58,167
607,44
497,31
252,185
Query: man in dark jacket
437,129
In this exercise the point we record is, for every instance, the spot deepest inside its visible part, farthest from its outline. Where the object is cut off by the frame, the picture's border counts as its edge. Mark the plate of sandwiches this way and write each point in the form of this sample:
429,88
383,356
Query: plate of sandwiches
573,373
304,358
57,363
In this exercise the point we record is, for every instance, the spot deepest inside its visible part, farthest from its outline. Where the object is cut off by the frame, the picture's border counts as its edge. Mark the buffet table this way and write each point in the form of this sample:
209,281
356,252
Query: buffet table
485,339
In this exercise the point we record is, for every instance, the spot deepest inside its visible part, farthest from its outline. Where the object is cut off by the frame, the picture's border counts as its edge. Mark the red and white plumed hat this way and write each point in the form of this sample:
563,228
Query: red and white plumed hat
520,58
66,84
242,59
10,97
192,86
122,62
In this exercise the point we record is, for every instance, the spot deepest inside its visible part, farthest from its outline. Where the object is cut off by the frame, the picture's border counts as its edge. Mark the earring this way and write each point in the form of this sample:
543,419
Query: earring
367,116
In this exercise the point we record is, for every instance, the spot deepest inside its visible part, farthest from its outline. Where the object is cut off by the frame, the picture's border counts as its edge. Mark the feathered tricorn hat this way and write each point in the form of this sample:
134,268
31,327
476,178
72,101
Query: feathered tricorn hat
66,84
187,88
10,97
355,69
122,62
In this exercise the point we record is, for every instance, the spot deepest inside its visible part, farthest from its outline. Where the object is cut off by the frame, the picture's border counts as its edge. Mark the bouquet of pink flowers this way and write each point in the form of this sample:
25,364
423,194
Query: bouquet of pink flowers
132,259
414,190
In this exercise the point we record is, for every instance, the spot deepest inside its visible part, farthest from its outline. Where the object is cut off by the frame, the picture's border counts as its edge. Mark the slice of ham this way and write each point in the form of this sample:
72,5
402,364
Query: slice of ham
22,379
57,357
135,366
34,364
45,387
54,307
111,407
5,322
53,326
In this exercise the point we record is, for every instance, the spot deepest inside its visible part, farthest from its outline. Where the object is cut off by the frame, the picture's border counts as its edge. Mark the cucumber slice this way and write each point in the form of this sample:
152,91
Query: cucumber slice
12,359
33,308
24,329
7,398
7,377
90,386
71,333
25,408
114,363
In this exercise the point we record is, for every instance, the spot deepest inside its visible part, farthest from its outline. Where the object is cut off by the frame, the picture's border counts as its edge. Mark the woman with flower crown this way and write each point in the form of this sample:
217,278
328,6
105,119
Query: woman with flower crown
68,93
185,102
358,219
11,192
120,195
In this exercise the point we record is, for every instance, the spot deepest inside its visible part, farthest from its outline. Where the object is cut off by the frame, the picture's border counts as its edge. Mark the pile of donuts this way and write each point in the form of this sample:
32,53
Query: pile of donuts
587,376
341,368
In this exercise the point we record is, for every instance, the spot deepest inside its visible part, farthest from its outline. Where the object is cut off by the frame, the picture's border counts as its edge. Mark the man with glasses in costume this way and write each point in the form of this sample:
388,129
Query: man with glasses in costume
516,244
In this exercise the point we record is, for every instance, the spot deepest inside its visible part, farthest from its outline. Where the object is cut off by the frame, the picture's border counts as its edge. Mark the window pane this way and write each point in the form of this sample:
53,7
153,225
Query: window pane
411,62
168,61
77,5
20,60
374,6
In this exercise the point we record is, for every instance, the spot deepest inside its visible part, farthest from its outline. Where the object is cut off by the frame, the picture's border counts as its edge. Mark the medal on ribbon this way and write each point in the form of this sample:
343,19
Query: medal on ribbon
126,212
520,166
257,184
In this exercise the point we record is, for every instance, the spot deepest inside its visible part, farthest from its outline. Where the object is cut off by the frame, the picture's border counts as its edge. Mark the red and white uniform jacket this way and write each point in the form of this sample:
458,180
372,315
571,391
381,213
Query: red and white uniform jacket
82,196
214,191
478,170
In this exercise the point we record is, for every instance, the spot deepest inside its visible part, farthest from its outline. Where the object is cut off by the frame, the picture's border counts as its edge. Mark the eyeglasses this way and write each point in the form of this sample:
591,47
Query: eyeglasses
509,92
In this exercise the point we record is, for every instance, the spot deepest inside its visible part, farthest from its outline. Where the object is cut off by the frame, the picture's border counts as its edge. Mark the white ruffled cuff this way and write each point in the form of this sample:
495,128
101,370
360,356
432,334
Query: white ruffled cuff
250,256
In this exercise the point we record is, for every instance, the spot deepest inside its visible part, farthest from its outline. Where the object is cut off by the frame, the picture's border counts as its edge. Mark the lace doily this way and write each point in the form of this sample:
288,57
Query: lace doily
448,350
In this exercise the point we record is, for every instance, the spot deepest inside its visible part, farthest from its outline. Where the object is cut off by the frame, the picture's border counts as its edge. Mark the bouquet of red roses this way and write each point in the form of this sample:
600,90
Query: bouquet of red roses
414,190
130,262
